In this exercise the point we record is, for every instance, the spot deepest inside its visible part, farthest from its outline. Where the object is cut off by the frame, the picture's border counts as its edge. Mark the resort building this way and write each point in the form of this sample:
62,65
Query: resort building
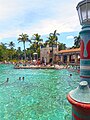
46,53
69,56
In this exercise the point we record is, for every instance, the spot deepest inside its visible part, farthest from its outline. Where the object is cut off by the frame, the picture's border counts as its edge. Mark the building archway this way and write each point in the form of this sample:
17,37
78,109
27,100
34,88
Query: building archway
50,61
65,58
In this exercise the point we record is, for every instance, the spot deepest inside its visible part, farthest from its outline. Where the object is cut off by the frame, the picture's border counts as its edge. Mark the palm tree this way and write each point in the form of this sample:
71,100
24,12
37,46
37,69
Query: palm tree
55,35
3,52
24,38
3,45
77,41
52,40
37,40
62,46
11,45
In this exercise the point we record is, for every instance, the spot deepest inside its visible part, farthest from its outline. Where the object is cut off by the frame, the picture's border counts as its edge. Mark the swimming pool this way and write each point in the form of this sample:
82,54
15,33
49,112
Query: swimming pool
41,96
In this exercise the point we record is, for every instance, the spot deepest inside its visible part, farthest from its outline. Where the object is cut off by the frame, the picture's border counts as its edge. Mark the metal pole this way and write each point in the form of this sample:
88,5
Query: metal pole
80,97
85,54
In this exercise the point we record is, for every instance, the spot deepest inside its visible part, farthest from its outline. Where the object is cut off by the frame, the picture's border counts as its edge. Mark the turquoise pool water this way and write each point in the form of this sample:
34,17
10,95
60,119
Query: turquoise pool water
41,96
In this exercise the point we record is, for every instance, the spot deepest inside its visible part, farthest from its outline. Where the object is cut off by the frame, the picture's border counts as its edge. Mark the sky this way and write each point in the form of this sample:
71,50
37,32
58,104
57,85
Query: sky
38,16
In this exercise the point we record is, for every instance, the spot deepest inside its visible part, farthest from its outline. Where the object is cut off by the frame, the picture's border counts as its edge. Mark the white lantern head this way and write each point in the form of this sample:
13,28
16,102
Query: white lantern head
83,9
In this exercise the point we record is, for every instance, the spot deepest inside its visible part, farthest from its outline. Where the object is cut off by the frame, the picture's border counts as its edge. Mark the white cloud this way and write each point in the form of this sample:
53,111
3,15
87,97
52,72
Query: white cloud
11,8
64,18
70,37
49,25
43,27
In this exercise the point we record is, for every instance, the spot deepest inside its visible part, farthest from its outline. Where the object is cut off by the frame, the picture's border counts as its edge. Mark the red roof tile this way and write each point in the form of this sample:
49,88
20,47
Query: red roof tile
70,50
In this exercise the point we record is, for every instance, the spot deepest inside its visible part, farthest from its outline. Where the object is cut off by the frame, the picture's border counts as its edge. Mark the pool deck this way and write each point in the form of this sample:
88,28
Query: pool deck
34,67
57,67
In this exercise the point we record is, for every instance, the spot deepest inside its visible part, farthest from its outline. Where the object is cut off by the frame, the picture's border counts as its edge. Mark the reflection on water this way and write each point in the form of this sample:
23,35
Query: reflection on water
41,96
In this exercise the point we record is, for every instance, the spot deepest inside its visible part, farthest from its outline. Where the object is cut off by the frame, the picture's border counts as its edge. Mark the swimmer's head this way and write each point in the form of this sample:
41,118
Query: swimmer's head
70,74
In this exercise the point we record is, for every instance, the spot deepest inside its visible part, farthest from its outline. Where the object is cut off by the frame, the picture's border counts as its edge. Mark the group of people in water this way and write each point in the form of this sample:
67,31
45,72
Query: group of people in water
20,78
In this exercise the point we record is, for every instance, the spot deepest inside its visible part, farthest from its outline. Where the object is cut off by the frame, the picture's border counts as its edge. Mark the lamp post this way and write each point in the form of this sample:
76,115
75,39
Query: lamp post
83,9
80,97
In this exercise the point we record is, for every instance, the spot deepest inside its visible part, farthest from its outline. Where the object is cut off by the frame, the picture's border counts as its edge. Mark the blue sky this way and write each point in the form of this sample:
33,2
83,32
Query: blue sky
38,16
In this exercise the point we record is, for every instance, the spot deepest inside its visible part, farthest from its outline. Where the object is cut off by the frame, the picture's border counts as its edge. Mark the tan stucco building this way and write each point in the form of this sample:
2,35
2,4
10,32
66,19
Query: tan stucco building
46,53
68,56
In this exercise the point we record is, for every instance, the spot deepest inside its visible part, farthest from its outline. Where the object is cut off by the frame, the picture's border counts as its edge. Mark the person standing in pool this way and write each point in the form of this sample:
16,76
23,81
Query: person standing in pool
19,78
7,80
23,78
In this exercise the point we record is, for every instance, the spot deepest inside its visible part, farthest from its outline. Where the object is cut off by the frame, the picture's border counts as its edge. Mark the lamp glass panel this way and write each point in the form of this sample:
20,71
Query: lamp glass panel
83,11
88,10
79,14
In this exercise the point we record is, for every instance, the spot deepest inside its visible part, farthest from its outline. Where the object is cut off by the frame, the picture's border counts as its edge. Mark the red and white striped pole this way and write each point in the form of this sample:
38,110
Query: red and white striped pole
80,100
80,97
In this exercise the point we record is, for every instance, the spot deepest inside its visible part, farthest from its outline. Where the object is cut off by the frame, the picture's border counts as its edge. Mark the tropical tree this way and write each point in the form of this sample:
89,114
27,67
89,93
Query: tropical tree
3,52
61,46
24,38
11,51
37,41
54,35
11,45
18,53
77,41
3,45
52,40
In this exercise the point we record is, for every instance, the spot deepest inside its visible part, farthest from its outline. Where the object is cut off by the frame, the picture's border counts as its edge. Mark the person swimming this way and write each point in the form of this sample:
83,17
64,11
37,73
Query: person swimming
7,80
19,78
23,78
70,74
